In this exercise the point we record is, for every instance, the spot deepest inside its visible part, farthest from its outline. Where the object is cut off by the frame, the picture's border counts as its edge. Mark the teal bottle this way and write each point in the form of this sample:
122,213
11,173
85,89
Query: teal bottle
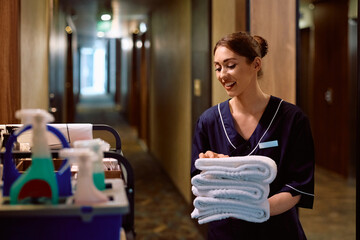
38,184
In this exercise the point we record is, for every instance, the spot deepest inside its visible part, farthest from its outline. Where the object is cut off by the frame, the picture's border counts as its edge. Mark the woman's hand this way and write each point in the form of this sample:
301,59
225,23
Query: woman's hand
211,154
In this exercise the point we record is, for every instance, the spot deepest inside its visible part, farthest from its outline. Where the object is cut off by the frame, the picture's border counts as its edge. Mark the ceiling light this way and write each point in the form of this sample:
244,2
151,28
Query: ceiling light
139,44
106,17
143,27
126,43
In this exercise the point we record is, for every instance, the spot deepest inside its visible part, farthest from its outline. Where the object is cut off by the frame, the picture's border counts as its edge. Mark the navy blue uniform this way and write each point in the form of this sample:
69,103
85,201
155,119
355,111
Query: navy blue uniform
283,134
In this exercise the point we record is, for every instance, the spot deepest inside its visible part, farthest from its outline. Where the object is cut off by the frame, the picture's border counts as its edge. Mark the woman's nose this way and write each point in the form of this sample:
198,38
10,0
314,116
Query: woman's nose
223,74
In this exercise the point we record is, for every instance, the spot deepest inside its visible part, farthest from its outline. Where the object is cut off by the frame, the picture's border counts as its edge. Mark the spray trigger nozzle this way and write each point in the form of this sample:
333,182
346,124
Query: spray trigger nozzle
75,155
28,116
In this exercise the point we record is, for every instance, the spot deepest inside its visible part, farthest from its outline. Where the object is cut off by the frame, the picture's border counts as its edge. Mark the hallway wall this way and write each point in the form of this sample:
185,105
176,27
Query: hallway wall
223,22
170,100
34,43
272,19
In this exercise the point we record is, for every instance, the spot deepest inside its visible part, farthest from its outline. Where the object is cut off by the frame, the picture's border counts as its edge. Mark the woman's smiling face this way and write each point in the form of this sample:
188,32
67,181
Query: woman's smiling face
233,71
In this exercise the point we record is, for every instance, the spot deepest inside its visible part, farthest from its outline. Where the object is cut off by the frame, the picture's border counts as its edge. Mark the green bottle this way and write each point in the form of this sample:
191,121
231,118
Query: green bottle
38,184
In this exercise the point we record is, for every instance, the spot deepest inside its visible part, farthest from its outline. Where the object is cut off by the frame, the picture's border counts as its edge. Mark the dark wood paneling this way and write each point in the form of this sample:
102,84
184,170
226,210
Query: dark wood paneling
331,118
144,92
357,129
69,85
304,82
10,99
200,56
353,48
57,61
117,97
134,103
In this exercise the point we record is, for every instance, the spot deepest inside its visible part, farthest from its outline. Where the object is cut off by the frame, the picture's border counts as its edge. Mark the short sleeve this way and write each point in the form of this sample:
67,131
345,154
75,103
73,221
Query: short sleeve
300,164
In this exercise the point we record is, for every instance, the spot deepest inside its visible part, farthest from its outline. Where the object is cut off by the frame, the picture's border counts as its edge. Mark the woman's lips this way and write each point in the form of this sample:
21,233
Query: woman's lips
229,85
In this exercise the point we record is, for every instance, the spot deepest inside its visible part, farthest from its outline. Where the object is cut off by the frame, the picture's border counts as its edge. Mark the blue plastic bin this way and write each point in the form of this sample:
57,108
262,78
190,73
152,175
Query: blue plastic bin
66,220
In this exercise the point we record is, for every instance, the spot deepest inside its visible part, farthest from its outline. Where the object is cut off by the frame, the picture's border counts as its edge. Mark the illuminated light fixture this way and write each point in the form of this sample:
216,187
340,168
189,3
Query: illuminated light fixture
68,29
106,17
142,27
139,44
126,44
147,44
100,34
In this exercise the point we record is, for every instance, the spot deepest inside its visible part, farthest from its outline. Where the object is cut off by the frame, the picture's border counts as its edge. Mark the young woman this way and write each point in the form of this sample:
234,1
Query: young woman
252,122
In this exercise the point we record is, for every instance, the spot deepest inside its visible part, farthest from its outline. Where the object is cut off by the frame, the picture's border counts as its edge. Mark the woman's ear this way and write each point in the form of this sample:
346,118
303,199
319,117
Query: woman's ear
257,63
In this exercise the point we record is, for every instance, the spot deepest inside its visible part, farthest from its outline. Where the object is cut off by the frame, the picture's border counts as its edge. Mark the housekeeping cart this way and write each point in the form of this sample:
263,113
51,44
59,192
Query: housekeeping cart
64,220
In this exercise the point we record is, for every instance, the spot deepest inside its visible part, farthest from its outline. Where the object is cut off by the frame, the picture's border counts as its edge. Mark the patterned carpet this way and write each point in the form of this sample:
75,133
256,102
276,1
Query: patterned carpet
160,211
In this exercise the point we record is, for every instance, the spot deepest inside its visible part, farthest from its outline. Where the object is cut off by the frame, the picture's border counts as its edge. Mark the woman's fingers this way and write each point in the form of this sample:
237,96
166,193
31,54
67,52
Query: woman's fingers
202,155
211,154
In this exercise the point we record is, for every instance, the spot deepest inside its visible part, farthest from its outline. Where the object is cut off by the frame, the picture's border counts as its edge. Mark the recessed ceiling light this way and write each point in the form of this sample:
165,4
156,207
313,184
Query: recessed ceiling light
106,17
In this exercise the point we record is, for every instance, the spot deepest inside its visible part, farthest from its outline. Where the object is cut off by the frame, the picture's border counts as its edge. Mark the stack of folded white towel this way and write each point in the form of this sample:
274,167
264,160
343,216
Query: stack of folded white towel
235,187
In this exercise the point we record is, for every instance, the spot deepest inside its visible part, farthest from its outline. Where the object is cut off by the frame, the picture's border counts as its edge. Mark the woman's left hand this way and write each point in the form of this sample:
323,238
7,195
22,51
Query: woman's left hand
281,202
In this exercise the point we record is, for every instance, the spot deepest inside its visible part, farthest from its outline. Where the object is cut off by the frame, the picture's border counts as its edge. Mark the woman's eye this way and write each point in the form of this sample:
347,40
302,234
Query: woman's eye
217,69
232,66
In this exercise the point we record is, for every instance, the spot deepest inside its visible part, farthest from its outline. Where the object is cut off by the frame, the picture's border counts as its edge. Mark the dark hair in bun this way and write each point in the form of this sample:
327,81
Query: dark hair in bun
263,45
244,45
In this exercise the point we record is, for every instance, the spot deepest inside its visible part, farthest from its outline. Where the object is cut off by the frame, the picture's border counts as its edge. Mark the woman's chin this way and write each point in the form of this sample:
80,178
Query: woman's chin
231,94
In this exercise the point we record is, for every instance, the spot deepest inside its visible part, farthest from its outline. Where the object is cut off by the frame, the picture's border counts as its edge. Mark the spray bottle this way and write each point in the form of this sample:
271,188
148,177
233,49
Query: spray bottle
98,146
86,192
39,181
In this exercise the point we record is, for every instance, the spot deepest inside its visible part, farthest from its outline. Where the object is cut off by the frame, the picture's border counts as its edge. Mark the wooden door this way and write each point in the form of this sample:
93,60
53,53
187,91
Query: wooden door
304,82
134,87
144,90
139,87
10,99
331,99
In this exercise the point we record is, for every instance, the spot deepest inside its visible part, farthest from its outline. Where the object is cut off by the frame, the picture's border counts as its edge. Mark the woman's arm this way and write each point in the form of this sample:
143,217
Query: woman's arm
281,202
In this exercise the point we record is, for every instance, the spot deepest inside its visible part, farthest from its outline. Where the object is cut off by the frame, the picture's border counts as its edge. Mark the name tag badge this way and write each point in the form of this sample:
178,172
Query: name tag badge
268,144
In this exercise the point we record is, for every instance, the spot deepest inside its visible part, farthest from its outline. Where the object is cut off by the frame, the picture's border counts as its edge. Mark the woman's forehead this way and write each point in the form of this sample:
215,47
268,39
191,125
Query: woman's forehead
225,54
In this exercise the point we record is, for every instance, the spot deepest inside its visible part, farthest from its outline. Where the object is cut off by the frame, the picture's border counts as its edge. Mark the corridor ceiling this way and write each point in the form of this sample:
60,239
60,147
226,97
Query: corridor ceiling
83,15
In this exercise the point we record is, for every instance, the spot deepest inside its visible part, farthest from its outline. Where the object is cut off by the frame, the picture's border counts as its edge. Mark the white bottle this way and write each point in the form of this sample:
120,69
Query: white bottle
86,193
98,146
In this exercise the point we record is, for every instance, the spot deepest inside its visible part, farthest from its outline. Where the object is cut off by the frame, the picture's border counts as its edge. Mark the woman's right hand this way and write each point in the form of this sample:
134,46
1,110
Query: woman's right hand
211,154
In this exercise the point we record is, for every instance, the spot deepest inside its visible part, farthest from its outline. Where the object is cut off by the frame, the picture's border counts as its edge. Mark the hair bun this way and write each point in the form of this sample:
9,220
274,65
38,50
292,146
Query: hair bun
263,45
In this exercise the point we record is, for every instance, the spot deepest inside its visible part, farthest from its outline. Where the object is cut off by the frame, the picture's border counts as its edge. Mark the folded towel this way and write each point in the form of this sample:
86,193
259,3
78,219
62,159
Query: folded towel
251,192
211,209
248,168
72,132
